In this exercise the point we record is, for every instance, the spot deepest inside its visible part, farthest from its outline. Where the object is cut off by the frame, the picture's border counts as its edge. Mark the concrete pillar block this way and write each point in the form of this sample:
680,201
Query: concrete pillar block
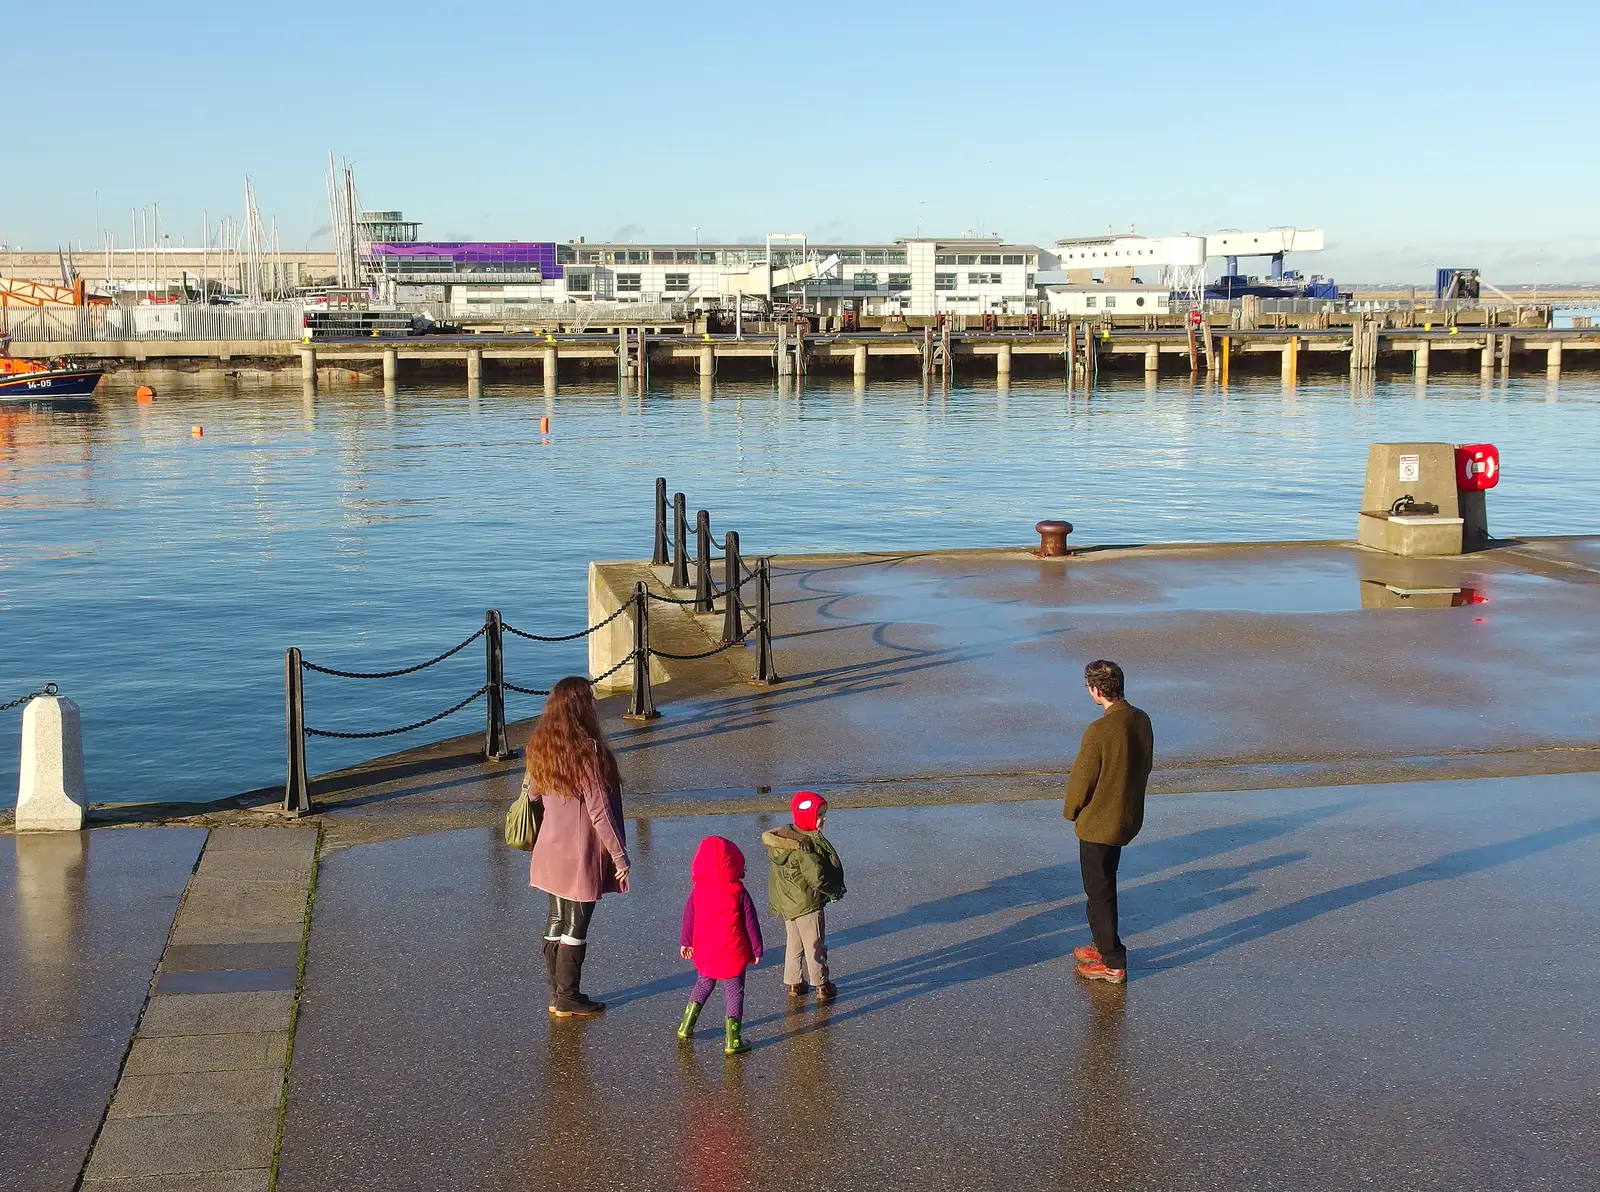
708,362
1152,359
391,364
860,361
1552,358
1421,358
308,365
50,794
474,364
1002,361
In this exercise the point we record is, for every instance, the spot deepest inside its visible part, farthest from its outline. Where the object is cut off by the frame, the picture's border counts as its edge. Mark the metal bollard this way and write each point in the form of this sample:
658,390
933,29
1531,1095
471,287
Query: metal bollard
702,562
641,706
494,730
659,557
296,794
680,534
766,672
732,605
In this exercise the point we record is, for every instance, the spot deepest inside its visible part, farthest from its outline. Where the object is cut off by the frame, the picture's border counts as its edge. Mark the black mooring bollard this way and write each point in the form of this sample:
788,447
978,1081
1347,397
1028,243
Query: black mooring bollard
766,672
702,562
659,557
641,705
732,576
494,729
296,793
680,542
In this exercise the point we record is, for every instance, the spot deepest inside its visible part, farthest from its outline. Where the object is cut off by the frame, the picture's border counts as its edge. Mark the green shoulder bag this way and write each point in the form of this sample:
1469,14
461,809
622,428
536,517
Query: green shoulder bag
522,820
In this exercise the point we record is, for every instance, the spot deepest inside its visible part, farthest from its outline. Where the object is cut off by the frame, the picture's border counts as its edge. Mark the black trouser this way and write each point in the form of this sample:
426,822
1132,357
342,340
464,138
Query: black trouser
1099,864
569,921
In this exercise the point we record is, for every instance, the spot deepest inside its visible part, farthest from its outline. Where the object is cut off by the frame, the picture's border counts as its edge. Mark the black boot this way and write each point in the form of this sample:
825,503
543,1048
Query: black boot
570,1002
550,968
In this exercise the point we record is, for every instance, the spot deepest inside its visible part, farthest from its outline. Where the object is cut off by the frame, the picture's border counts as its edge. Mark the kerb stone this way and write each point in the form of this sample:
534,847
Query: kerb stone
51,794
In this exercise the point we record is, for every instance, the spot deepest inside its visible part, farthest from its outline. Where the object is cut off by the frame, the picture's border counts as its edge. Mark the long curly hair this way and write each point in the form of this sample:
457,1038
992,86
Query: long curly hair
567,743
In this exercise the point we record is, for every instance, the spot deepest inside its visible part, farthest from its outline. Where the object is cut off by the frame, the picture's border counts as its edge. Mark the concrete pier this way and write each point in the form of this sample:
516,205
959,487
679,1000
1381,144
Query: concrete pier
859,361
1002,360
308,365
391,365
1419,359
474,364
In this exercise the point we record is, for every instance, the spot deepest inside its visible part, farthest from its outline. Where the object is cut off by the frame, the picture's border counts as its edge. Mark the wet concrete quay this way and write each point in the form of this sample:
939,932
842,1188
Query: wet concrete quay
1362,917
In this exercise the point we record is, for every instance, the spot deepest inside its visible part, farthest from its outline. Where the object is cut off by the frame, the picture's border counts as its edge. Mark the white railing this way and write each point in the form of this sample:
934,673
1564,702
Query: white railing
68,324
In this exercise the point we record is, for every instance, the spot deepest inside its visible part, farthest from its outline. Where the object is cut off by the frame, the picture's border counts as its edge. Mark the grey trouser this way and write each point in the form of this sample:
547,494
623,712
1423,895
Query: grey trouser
806,935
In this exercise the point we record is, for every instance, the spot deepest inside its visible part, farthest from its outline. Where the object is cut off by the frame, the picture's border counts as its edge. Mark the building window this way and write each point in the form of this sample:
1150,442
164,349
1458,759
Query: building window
983,279
580,281
708,258
866,281
896,256
1138,301
677,282
876,257
688,257
972,260
1089,302
1012,259
944,281
1030,281
566,254
850,256
943,259
1111,301
591,256
899,281
989,258
662,256
628,283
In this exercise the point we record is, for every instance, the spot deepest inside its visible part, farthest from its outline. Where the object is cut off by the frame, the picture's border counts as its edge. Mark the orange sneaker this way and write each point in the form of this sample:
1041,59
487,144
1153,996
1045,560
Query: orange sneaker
1095,970
1088,954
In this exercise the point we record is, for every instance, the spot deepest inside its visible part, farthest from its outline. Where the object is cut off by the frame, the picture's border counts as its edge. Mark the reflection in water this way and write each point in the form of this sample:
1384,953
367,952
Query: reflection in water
716,1146
1103,1146
50,903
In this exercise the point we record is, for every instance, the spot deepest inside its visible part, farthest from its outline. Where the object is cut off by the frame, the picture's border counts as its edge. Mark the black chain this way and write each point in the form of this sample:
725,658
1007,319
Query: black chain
612,671
393,674
405,728
525,690
670,599
708,653
49,689
569,637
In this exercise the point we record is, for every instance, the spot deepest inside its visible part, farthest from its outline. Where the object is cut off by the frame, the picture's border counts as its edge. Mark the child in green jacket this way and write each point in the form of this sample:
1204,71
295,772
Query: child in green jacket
806,875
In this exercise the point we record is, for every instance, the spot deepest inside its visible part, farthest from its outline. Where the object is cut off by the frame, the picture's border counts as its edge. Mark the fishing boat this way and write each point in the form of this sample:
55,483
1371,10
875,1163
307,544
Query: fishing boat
23,381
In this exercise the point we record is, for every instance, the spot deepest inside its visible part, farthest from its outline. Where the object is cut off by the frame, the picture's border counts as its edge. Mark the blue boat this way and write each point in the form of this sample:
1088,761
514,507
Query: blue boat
49,384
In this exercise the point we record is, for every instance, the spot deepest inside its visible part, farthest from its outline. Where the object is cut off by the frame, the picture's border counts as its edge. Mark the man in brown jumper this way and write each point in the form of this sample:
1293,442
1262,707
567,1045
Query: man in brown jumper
1105,800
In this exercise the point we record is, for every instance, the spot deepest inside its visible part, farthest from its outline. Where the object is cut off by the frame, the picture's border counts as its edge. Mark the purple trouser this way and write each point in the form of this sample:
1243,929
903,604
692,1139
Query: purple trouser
732,994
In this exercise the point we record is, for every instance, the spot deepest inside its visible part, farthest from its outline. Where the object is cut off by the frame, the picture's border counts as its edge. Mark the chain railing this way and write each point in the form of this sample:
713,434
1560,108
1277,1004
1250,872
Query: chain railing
49,689
641,701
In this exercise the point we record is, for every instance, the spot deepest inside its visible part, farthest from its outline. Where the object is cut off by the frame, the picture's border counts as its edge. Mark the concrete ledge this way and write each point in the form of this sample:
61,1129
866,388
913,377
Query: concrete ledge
674,628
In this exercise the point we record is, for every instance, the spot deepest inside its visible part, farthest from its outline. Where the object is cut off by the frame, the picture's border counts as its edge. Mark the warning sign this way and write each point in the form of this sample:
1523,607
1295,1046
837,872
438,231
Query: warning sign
1410,468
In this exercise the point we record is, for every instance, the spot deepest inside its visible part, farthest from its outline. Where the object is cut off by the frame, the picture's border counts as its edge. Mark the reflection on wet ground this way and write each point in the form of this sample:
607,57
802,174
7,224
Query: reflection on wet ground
1310,1008
83,918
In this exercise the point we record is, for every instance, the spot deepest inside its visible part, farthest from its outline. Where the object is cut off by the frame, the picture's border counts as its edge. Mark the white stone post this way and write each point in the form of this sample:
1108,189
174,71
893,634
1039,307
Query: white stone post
51,794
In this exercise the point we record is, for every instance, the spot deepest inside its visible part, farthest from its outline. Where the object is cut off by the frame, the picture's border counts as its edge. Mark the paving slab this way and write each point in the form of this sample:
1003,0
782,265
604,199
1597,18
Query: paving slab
197,1092
83,918
184,1143
259,1180
263,1012
206,1053
1332,988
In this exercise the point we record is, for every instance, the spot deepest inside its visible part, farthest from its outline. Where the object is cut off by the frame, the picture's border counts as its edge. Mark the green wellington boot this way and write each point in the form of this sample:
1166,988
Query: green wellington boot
735,1044
691,1015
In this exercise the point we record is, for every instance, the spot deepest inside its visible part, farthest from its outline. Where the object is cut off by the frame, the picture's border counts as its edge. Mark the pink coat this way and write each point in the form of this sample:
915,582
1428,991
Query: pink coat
582,843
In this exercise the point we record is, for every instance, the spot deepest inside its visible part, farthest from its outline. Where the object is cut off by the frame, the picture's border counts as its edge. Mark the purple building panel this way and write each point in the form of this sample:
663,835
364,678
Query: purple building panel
485,255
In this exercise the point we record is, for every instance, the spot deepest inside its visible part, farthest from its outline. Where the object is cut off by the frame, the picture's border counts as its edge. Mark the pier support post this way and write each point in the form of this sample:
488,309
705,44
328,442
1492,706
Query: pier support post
1227,356
391,365
1419,359
1552,359
1288,362
708,362
1152,359
1002,361
1506,345
550,369
474,364
1486,360
308,366
860,362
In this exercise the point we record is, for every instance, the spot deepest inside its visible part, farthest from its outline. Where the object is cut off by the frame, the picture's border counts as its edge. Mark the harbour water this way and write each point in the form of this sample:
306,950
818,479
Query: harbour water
158,576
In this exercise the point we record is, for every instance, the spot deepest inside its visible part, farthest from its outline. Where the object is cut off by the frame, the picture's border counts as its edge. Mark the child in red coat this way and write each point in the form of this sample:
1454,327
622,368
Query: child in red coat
721,934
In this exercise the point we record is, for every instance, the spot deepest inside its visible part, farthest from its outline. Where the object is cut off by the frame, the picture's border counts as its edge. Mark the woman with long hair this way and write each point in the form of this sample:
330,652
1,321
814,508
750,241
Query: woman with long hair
582,849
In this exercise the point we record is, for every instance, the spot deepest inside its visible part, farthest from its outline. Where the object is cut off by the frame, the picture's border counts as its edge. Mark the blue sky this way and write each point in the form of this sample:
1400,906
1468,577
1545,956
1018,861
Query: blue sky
1416,134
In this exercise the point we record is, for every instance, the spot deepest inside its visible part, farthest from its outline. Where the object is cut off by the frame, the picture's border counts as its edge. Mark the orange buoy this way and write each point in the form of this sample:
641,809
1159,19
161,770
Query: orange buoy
198,431
544,426
145,393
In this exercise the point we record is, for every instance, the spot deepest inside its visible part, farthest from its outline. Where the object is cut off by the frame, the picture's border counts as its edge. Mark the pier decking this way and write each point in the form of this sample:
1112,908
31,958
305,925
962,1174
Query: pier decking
1084,349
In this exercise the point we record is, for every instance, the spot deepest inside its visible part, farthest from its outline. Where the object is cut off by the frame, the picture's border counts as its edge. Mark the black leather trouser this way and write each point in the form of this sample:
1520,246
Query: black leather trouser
569,921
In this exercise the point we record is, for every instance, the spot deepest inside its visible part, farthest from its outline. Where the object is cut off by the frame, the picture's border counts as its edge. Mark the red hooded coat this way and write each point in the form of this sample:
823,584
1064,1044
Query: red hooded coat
717,918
